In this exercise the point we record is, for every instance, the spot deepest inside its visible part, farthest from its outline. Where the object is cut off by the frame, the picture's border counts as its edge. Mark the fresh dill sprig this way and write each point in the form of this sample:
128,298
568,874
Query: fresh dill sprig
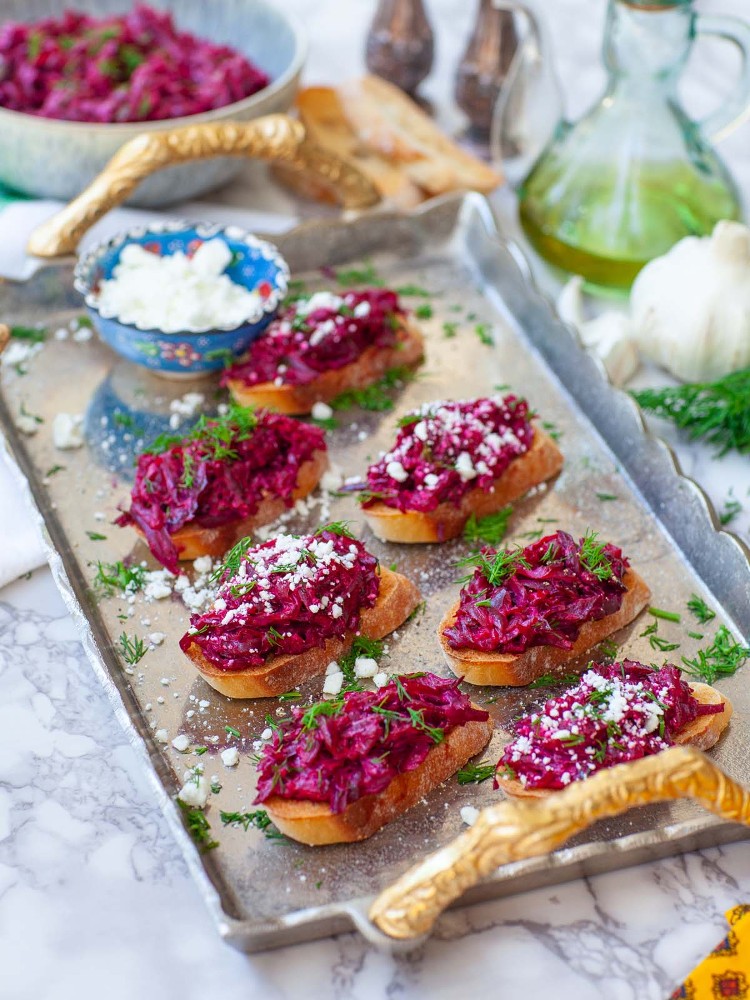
330,707
231,731
663,645
414,290
732,507
216,434
375,397
549,680
449,330
232,560
363,275
198,826
721,659
96,536
259,819
593,558
700,610
423,311
717,412
114,577
474,774
133,650
490,529
606,496
436,734
607,650
495,567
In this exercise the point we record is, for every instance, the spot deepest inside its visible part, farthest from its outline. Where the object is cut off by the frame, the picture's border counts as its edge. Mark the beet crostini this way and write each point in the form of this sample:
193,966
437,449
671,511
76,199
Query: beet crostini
523,612
616,713
341,769
454,459
324,345
197,495
287,607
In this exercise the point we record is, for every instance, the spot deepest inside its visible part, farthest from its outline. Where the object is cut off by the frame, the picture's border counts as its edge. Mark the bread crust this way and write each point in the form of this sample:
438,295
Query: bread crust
542,461
314,823
518,669
371,365
703,733
192,540
397,598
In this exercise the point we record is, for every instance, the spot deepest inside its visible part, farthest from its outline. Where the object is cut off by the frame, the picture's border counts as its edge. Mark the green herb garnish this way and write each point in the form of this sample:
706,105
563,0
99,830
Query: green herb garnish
717,412
198,826
424,311
132,650
606,496
663,645
495,567
415,290
336,528
484,332
721,659
474,774
364,275
34,334
593,557
490,529
54,470
364,647
259,819
548,680
232,560
668,616
96,536
732,507
216,434
375,397
449,330
111,577
700,610
233,732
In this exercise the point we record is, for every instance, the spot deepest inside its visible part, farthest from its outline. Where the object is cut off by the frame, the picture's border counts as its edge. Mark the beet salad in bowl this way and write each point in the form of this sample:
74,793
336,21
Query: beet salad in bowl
77,84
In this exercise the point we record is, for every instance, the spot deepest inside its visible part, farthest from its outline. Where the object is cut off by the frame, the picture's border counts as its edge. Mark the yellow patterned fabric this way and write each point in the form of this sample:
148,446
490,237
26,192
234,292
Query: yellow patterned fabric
725,973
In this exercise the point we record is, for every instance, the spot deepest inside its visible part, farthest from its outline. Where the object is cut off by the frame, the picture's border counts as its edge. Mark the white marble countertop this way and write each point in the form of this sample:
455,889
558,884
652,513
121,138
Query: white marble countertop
96,902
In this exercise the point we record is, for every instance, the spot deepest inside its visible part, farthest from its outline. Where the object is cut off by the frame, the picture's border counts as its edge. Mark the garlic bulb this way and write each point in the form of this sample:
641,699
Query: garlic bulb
690,309
608,336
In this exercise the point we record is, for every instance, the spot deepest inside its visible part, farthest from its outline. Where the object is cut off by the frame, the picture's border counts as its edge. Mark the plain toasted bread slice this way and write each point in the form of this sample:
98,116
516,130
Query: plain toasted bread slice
391,124
517,669
193,541
542,461
371,365
703,733
397,598
313,823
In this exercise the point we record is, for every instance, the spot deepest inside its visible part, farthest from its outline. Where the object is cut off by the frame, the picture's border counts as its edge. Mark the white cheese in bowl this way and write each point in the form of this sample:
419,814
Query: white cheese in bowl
176,293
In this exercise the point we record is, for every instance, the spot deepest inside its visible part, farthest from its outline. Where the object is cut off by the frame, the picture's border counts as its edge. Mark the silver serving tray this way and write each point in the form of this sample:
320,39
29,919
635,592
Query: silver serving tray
263,894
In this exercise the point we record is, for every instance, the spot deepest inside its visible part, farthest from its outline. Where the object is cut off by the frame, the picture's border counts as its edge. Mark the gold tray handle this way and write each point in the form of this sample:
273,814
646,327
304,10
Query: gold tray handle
513,830
273,138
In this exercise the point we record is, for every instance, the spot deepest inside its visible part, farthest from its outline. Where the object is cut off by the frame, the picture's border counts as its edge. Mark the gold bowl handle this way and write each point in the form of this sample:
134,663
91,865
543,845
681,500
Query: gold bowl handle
513,830
273,138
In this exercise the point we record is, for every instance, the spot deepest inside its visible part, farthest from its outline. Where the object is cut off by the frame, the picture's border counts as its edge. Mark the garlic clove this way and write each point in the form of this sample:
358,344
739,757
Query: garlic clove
607,336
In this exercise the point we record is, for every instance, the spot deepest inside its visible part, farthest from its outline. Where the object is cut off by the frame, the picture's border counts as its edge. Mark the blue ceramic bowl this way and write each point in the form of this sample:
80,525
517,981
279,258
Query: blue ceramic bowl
257,265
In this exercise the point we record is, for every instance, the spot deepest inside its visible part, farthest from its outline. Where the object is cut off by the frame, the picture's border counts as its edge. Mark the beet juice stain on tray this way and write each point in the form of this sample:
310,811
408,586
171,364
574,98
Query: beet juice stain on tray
261,891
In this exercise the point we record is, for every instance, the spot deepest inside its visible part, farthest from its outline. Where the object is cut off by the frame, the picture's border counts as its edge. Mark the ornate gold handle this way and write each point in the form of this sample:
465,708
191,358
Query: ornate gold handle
514,830
274,137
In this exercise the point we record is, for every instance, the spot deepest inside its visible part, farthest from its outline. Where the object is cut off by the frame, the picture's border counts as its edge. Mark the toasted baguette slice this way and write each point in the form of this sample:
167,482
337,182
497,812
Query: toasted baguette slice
517,669
703,733
313,823
193,541
371,365
391,124
542,461
397,598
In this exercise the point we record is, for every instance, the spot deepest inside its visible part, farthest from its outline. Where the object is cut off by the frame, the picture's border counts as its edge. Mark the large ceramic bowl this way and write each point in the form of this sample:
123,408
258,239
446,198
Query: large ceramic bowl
257,266
57,159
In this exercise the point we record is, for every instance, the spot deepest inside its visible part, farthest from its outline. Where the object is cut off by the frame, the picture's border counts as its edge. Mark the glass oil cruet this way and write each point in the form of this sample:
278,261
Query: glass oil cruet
635,174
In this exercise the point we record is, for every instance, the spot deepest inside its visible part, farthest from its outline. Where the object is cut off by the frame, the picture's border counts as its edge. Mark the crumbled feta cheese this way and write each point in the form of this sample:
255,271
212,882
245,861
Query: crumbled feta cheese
381,679
321,411
465,467
396,471
333,668
333,683
162,735
195,790
175,293
469,815
181,743
267,733
230,757
157,638
365,666
27,424
203,564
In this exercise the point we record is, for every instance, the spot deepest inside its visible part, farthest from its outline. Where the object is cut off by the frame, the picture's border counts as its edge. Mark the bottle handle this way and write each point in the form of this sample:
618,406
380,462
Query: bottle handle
736,109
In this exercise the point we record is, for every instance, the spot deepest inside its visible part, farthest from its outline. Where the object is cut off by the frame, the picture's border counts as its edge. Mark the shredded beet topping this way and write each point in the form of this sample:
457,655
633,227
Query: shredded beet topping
445,449
337,751
219,473
129,67
616,713
285,596
316,334
539,596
